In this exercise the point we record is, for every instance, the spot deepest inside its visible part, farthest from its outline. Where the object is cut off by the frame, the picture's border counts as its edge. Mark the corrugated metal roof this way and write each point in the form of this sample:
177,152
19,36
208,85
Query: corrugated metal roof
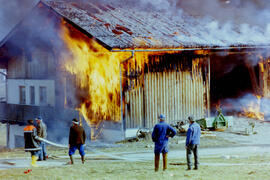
122,27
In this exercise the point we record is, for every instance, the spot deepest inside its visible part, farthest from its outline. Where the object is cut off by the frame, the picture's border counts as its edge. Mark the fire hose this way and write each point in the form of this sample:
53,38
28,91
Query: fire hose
96,152
51,143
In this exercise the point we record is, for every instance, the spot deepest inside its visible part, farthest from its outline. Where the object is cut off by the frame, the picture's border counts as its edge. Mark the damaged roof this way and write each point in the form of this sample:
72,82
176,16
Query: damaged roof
125,27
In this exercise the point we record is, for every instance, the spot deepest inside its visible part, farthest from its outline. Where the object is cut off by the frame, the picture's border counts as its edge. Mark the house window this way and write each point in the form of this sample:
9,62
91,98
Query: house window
42,95
22,94
32,95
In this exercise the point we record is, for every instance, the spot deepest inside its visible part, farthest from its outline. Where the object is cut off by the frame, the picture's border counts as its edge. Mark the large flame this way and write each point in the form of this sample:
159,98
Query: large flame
253,110
97,73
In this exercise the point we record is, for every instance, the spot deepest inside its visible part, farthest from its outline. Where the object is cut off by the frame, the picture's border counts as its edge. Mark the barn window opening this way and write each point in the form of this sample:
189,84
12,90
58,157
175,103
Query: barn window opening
3,74
22,94
42,95
32,95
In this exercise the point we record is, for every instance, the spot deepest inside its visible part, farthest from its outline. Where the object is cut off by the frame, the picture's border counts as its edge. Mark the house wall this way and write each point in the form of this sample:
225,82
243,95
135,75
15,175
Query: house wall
13,90
38,64
3,134
15,136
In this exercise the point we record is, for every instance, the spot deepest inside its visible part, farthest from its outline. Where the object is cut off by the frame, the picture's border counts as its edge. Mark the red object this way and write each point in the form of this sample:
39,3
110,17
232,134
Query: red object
117,32
27,171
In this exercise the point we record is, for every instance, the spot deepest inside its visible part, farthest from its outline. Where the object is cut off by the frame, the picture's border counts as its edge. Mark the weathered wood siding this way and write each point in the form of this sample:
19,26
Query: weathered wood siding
171,89
39,64
264,78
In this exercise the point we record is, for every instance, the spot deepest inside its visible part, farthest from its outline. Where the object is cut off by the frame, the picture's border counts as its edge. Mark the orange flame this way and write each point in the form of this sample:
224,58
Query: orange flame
253,110
97,73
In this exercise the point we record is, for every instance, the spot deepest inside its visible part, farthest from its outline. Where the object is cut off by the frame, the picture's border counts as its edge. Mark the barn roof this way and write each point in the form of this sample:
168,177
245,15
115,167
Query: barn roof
126,27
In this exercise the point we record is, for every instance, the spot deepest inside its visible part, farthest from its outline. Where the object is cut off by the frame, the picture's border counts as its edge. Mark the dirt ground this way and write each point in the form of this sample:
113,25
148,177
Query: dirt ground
237,153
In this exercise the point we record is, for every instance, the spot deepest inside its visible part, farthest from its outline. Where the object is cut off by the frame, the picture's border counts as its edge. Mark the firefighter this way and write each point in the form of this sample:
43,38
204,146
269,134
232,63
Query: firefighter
42,132
76,140
31,143
161,133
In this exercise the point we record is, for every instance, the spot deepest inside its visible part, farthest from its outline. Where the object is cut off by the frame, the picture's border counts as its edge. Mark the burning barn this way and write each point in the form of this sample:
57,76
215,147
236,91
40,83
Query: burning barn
118,67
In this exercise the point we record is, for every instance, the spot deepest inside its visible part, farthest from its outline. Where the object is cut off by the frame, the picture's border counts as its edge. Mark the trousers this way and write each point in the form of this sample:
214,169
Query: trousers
157,157
192,148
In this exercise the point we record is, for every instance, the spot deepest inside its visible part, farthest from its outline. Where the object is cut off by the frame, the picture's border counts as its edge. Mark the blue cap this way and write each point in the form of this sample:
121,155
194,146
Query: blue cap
39,118
161,116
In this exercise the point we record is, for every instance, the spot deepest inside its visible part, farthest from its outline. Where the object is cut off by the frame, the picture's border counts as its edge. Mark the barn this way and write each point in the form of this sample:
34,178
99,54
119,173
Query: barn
117,67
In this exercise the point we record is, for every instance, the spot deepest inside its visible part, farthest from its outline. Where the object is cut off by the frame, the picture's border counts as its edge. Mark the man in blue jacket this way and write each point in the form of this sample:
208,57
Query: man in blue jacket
192,142
161,133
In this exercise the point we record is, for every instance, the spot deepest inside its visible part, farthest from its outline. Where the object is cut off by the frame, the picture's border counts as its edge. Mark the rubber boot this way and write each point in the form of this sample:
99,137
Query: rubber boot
156,162
34,161
164,161
83,159
71,160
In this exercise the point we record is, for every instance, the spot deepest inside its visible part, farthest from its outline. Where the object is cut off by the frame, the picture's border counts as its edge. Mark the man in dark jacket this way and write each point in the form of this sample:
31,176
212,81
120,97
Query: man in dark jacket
161,133
41,132
192,142
31,143
76,140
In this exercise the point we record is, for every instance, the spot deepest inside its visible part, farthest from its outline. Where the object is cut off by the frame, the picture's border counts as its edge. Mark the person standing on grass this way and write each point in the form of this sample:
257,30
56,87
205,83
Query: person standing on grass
42,132
161,133
76,140
31,143
192,142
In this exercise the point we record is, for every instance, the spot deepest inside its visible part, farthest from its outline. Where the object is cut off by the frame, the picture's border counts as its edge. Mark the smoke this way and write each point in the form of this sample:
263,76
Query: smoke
248,102
216,22
251,12
11,12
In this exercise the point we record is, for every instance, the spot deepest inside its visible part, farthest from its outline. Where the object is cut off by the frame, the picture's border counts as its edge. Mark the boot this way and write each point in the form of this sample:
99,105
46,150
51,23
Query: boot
164,161
83,159
34,160
156,162
71,160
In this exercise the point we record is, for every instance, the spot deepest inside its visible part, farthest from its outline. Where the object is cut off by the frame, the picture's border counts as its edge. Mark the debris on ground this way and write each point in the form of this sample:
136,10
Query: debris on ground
129,139
9,163
144,134
178,164
251,172
141,133
181,127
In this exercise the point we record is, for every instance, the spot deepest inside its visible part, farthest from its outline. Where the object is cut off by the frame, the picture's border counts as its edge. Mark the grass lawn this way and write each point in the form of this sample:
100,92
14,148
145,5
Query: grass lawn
255,167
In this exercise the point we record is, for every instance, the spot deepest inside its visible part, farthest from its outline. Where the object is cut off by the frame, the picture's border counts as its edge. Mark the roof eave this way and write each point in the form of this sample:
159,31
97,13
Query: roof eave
78,27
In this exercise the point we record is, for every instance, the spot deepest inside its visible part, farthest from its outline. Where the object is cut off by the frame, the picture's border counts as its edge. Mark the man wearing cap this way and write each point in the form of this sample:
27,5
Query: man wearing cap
161,133
31,143
76,140
192,142
41,132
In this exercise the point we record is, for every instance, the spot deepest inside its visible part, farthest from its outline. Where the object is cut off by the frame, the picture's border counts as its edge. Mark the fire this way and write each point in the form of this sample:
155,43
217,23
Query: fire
253,110
97,73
